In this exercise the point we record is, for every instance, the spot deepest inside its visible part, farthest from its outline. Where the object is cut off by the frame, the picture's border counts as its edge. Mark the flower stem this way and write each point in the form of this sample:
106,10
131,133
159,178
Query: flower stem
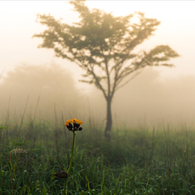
72,153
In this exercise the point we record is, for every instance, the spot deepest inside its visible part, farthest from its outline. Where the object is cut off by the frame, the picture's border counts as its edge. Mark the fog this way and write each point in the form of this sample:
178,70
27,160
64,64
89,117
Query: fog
145,100
149,100
38,85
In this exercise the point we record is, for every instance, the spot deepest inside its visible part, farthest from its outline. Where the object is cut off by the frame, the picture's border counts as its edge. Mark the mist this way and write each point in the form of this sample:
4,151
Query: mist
149,100
45,86
42,92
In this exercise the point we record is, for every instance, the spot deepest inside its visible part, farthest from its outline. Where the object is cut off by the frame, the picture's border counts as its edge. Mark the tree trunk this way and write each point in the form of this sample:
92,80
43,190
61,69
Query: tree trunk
109,120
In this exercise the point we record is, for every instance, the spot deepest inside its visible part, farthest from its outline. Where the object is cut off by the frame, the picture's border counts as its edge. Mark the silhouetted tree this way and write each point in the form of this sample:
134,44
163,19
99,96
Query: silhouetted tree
103,41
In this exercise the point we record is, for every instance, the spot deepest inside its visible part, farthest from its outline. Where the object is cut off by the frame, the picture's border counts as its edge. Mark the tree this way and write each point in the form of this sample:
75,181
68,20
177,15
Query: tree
53,84
103,41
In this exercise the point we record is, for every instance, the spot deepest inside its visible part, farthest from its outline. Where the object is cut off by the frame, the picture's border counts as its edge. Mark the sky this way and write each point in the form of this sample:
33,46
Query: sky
17,24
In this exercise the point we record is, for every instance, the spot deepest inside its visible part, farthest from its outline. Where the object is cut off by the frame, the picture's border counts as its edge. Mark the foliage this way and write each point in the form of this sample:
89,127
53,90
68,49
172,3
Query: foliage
135,161
101,41
46,87
105,41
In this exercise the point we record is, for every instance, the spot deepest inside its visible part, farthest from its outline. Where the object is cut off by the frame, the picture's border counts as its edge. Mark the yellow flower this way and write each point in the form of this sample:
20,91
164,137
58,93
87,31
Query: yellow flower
68,122
76,121
75,126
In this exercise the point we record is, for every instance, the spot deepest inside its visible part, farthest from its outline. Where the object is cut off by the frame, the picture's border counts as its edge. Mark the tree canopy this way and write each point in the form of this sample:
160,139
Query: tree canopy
105,42
53,84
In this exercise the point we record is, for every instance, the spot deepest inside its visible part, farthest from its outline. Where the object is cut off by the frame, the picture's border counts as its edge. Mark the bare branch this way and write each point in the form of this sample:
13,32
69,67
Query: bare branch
129,80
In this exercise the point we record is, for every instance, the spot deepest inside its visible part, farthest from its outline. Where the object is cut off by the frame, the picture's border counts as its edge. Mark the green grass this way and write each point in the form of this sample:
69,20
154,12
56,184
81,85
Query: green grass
135,161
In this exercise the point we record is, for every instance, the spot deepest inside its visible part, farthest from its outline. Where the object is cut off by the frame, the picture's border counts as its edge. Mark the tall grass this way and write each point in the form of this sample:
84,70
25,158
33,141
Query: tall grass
142,160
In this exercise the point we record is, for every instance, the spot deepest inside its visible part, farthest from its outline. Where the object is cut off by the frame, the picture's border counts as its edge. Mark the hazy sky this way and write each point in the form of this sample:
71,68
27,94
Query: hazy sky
17,26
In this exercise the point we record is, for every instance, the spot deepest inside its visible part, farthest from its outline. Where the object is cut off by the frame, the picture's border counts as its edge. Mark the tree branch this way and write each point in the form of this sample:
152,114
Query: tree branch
129,80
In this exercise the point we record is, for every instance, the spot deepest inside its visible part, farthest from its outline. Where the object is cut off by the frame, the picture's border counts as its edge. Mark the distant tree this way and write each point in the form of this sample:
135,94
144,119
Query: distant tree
103,41
52,83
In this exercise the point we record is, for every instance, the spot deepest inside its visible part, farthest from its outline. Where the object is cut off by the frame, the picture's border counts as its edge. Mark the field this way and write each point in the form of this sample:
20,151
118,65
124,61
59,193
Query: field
142,160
